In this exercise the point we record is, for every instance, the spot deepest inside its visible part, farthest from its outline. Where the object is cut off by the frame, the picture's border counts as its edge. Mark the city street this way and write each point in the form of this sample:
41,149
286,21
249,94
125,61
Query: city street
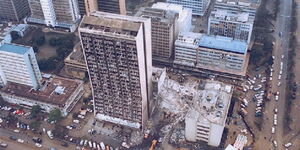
28,143
280,52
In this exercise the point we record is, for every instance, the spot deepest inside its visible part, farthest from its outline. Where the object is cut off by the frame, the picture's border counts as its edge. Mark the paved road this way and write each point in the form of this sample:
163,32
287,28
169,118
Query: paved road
13,145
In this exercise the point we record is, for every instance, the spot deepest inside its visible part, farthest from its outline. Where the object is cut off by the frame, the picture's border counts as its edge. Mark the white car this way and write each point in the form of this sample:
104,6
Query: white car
287,145
279,77
282,56
278,84
273,130
275,110
275,143
275,116
275,122
20,141
276,97
17,131
280,72
38,145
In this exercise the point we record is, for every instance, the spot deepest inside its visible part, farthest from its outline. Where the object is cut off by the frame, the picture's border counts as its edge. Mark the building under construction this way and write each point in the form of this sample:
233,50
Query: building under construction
118,58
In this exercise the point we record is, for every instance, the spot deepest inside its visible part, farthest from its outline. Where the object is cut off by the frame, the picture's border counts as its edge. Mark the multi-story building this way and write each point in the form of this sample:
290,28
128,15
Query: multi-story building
215,54
199,7
233,18
55,13
206,121
19,65
82,7
110,6
162,32
14,10
75,65
184,21
117,50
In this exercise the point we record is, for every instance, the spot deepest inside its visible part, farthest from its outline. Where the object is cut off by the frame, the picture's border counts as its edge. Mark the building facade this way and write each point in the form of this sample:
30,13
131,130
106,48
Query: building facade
199,7
14,10
55,13
19,65
118,58
110,6
234,25
214,53
236,6
162,32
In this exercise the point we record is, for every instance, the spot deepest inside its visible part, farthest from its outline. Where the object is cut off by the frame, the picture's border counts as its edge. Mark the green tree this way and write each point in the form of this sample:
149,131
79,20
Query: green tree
55,115
35,110
35,125
39,40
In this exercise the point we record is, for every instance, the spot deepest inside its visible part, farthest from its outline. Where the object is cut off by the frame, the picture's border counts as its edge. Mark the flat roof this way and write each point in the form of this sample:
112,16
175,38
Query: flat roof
47,92
214,42
13,48
223,43
227,15
114,23
158,15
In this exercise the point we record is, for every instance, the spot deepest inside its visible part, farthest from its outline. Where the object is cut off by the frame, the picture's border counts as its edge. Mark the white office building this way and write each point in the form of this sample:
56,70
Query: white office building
216,54
19,65
55,13
199,7
207,120
184,21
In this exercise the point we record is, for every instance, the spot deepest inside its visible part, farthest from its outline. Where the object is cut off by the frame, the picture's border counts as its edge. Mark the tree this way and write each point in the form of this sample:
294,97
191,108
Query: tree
39,40
60,132
35,125
46,65
35,110
55,115
14,35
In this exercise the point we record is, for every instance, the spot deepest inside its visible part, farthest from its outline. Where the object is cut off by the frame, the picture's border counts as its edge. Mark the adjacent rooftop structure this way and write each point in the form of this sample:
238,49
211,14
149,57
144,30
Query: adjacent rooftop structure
55,92
199,7
75,63
249,6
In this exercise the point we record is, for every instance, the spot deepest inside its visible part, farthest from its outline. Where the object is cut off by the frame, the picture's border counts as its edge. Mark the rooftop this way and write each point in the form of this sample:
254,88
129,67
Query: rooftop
157,15
107,24
214,42
243,3
209,99
14,48
183,12
55,90
227,15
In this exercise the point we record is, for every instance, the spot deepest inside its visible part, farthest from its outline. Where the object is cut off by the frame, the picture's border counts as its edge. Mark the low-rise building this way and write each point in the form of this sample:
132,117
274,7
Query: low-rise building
211,54
75,65
206,121
55,92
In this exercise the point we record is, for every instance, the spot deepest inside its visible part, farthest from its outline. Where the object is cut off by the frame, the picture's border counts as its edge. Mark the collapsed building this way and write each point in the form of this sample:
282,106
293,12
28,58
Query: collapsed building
203,104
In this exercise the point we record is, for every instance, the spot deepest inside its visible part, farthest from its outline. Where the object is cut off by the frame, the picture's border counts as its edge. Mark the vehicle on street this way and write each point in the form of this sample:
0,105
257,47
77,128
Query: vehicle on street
17,131
4,145
38,145
275,143
279,77
13,138
275,122
275,110
37,140
273,130
278,84
282,56
287,145
50,134
20,141
276,97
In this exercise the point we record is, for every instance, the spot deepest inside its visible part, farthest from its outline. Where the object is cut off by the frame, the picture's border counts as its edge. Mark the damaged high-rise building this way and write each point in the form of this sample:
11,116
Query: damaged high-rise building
117,50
